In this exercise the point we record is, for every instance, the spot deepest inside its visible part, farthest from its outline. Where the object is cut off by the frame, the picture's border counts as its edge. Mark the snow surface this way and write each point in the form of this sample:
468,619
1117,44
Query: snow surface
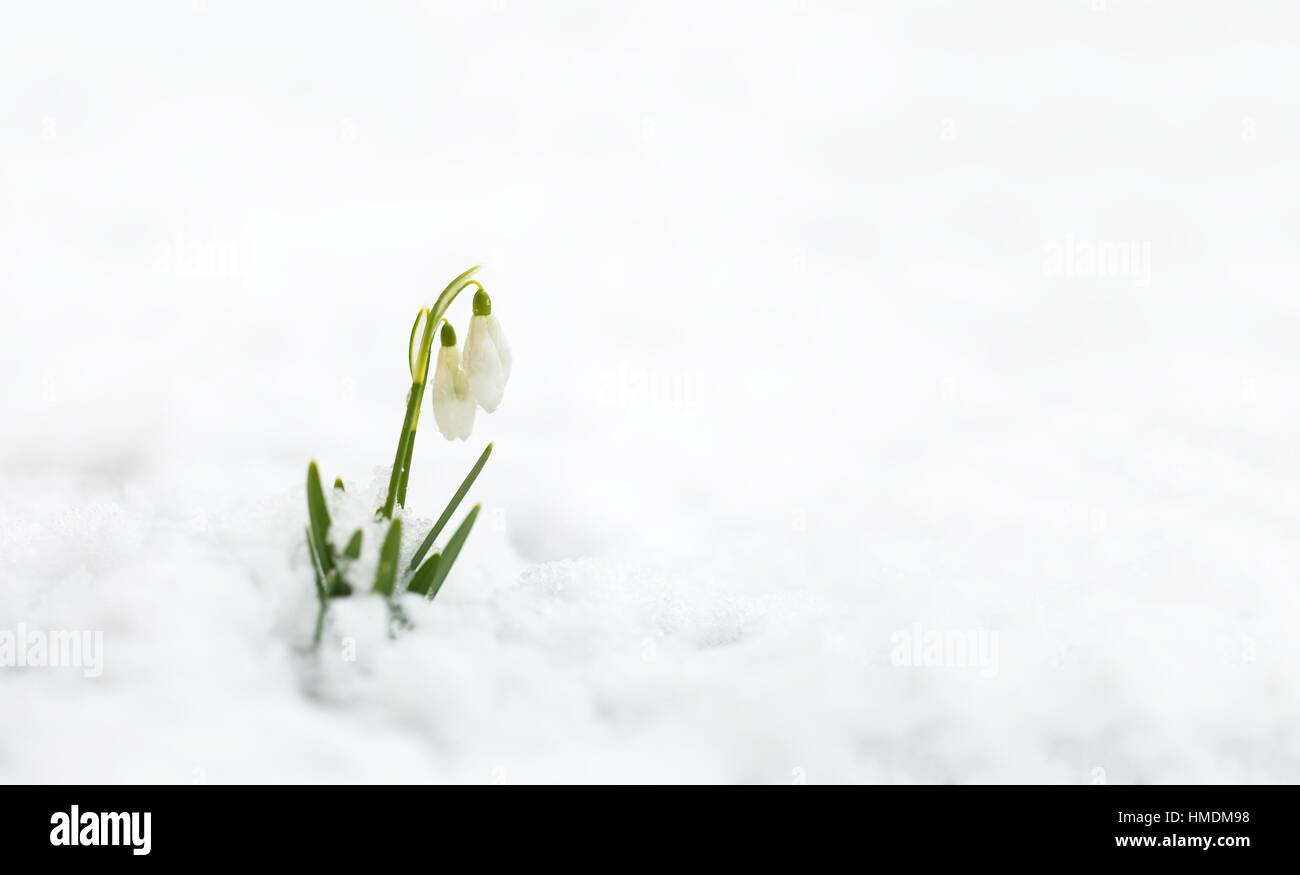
799,374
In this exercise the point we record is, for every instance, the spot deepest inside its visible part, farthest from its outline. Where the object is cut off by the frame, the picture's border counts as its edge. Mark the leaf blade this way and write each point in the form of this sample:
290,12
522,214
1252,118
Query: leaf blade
456,499
420,582
453,550
353,549
319,516
386,575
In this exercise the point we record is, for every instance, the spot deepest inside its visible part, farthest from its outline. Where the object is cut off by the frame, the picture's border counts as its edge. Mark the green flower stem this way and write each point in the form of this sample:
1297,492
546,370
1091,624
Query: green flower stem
414,401
321,595
419,376
320,625
395,479
419,373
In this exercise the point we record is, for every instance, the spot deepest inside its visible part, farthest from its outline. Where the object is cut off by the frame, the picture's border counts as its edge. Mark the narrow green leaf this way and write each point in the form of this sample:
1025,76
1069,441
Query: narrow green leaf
410,346
338,484
451,508
319,516
353,549
453,550
424,577
386,576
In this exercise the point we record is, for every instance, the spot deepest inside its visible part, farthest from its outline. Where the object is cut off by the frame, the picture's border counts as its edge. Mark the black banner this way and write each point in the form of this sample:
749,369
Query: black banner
338,824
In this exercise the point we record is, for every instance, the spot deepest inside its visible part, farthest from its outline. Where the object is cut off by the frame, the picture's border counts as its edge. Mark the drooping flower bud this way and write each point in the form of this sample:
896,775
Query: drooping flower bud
453,402
487,355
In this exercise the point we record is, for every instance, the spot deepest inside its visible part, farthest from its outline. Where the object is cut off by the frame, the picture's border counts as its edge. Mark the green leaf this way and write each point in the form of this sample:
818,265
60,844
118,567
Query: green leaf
353,549
453,550
338,484
319,516
451,508
416,367
424,577
386,576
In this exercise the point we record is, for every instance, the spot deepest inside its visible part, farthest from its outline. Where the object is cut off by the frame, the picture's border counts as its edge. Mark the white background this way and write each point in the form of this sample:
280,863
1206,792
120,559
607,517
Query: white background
796,374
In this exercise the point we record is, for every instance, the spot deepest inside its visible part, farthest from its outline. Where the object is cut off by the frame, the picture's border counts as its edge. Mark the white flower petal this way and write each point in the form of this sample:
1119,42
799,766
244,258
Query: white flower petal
503,348
453,406
483,363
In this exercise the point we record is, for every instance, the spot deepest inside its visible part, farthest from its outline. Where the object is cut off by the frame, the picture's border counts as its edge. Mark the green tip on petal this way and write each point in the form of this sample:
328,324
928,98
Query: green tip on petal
482,303
448,334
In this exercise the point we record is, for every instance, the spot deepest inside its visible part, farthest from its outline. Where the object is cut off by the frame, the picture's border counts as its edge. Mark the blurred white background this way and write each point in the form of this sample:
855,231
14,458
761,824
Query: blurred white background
811,347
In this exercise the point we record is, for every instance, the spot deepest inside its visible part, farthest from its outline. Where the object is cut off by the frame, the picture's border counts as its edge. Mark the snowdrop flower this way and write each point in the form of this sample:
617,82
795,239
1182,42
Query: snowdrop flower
453,403
487,355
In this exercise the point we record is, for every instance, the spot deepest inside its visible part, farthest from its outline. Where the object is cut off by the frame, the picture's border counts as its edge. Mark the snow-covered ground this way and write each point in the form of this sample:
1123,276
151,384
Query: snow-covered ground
833,452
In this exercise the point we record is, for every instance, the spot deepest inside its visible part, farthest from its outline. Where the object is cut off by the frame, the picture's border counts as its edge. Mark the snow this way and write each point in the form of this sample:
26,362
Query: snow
813,368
